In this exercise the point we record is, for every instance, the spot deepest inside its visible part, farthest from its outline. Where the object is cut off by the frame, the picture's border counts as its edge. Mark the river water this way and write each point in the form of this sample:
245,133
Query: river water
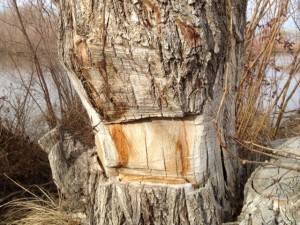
276,79
15,78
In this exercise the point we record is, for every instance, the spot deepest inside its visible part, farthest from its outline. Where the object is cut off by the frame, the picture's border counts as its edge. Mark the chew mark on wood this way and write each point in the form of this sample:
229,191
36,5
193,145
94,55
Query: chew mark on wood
121,143
152,179
183,153
155,148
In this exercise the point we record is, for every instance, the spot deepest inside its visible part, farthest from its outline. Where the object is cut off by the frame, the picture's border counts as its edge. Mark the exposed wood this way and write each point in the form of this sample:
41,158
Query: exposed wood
153,76
157,147
272,194
135,60
148,58
81,180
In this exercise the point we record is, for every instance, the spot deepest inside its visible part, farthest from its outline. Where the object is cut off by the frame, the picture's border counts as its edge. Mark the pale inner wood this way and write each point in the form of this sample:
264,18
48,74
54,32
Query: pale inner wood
159,148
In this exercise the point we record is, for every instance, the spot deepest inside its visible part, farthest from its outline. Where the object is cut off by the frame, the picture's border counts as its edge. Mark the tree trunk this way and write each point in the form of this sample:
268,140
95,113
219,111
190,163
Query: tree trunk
158,80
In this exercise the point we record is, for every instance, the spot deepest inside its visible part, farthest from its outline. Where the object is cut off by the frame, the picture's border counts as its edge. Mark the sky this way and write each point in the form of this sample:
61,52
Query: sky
288,25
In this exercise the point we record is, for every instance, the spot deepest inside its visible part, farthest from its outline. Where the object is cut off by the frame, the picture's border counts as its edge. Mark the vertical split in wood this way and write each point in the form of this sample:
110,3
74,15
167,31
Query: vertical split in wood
156,147
151,76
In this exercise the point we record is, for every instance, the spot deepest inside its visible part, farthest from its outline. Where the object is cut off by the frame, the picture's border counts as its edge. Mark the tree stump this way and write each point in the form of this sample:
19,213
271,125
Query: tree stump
272,194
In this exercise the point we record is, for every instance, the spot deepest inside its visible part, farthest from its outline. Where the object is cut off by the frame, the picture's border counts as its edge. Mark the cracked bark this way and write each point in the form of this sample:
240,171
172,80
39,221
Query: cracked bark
152,76
272,193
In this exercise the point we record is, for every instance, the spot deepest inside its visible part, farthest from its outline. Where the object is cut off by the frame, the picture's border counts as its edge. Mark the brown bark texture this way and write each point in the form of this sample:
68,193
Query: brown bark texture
89,192
158,79
271,194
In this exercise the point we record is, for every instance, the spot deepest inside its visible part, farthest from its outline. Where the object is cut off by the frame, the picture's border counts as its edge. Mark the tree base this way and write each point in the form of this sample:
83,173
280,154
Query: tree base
272,193
78,175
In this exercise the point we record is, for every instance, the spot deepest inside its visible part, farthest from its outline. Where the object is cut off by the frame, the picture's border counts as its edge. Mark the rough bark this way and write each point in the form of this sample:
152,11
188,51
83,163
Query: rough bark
81,180
153,76
271,194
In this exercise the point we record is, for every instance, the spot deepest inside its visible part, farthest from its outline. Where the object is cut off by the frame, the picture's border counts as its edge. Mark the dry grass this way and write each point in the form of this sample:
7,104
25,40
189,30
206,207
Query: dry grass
77,122
258,121
38,75
255,121
36,210
21,159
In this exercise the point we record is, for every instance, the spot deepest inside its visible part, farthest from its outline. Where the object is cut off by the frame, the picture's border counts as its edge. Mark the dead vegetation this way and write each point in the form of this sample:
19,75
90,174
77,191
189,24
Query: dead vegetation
22,160
38,208
38,98
258,121
36,212
266,88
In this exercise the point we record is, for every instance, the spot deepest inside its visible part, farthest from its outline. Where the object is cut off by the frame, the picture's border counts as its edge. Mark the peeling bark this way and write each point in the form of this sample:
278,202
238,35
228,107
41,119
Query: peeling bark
153,76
